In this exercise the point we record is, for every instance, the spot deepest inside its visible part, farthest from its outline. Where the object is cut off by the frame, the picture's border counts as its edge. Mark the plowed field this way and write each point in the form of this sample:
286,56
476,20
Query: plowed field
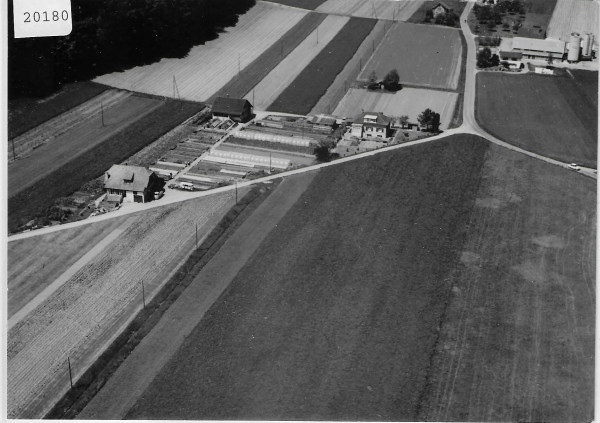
207,68
424,55
90,308
574,16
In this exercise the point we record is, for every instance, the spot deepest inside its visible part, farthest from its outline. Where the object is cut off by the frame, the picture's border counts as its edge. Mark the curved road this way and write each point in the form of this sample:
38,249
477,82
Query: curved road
469,126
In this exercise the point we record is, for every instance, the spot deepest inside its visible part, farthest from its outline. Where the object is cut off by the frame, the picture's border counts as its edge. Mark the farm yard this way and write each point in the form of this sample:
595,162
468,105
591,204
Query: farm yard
206,69
33,201
561,113
252,74
72,134
394,10
424,55
337,312
89,309
348,75
267,90
312,83
408,101
517,343
574,16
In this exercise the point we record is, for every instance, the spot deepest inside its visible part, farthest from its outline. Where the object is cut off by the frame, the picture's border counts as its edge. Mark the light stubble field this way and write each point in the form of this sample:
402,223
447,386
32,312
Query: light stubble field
574,16
399,10
80,317
553,116
207,68
424,55
408,101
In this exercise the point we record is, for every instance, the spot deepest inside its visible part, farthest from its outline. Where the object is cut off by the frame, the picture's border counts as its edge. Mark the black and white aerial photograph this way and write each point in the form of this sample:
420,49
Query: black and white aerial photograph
300,210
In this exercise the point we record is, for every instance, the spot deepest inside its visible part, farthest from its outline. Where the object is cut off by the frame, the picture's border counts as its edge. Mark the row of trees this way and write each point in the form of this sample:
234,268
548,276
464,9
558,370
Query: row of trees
111,35
495,12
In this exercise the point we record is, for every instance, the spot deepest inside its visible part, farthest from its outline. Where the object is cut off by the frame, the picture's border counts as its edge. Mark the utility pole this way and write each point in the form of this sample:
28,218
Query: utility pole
374,12
236,200
239,63
317,35
253,96
196,235
102,112
143,295
70,374
270,167
175,89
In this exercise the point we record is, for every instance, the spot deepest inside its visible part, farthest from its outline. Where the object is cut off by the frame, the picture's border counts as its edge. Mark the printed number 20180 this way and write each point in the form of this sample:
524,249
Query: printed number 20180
45,17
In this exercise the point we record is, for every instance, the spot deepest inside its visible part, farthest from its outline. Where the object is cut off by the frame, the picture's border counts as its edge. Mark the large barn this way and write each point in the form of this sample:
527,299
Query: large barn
237,109
532,48
132,183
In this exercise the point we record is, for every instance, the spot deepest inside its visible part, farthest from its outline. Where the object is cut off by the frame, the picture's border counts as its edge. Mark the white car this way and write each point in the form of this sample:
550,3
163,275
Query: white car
574,166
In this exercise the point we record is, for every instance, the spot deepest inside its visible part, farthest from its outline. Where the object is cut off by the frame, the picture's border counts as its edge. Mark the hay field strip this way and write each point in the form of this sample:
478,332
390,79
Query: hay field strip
343,81
81,312
408,101
574,16
255,72
267,90
49,130
400,10
207,68
314,80
424,55
78,139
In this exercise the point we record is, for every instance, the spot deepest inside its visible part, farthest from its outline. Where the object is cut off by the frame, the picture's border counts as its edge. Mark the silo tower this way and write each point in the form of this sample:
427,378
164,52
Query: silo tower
574,47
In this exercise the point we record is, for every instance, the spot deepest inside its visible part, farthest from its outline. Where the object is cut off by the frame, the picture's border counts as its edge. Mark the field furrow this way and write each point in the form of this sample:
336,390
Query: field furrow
574,16
86,308
311,84
397,10
343,81
207,68
408,101
241,84
265,92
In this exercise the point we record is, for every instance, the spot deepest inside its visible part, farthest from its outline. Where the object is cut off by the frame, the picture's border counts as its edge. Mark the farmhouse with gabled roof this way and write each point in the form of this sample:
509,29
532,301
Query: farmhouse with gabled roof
373,125
440,9
237,109
133,183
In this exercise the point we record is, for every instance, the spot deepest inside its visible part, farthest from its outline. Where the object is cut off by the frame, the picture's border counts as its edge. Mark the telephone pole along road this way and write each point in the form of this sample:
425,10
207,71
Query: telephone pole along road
469,126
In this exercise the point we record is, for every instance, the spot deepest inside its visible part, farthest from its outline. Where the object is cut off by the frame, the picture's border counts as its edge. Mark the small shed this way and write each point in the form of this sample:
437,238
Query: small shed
132,183
237,109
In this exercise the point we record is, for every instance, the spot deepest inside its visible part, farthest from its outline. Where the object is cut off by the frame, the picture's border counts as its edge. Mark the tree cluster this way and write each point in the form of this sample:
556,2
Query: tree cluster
485,58
430,120
391,82
447,19
112,35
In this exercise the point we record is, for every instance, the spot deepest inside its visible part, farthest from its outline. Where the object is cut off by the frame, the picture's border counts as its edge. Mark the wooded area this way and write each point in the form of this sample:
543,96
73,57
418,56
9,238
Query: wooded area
110,35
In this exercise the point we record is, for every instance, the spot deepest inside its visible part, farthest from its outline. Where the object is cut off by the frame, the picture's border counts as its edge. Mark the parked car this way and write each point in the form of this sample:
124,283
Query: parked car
574,166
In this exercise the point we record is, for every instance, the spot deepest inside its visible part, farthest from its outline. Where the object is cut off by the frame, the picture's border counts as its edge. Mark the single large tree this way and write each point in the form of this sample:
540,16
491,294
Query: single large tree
430,120
391,82
486,59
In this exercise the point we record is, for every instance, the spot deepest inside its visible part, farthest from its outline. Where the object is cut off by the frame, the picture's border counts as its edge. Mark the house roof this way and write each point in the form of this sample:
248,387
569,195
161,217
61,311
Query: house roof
441,3
128,178
230,106
549,45
511,55
322,120
382,119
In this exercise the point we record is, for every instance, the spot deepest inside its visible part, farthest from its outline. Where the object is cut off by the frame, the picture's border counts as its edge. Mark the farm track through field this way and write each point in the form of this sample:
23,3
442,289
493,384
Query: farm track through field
77,140
208,68
267,90
343,81
242,84
377,9
48,131
85,309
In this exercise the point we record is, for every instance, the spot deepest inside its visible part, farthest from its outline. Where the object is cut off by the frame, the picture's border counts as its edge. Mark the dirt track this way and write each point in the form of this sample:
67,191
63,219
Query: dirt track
135,374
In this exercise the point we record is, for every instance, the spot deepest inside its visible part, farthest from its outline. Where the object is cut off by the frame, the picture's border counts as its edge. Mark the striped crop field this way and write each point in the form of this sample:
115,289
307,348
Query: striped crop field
207,68
265,93
242,84
82,315
408,101
343,81
398,10
574,16
312,83
424,55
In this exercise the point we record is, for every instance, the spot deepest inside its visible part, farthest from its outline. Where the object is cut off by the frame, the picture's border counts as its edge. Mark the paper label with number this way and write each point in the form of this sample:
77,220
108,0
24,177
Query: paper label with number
42,18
